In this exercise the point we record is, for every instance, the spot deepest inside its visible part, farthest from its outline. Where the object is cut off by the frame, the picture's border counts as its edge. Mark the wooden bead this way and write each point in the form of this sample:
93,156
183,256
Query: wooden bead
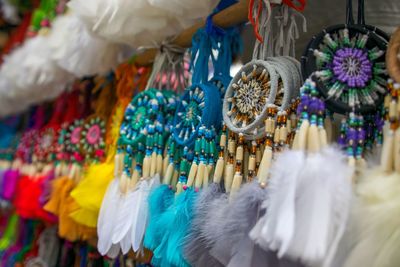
168,174
192,174
239,153
237,182
228,177
159,167
200,175
222,141
146,167
153,164
219,170
263,170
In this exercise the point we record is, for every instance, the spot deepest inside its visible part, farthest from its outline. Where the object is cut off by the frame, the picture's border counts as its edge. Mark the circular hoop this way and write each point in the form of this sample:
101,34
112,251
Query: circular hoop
199,106
265,85
143,109
350,66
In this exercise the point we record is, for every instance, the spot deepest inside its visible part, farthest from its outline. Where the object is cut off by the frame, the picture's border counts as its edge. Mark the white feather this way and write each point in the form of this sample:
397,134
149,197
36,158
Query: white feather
107,218
113,251
277,226
323,200
125,216
141,210
373,236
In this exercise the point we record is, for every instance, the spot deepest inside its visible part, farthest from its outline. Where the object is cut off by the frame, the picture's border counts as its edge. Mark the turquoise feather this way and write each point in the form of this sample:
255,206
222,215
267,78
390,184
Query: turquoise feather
160,199
177,219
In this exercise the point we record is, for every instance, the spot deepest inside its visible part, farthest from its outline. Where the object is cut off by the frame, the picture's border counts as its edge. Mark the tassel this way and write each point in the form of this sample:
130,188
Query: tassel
160,199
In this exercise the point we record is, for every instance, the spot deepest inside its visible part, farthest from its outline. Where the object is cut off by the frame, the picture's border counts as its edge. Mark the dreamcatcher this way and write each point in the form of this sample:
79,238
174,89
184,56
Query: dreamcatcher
139,159
347,77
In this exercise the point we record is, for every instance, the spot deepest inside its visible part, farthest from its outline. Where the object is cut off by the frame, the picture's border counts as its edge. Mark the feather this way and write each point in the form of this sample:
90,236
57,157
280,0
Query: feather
126,242
196,247
177,220
373,233
125,216
113,251
234,248
323,199
159,200
141,210
107,218
277,226
214,222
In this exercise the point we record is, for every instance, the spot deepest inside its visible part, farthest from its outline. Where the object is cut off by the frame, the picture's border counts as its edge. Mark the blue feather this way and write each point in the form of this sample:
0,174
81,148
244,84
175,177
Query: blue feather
177,219
159,200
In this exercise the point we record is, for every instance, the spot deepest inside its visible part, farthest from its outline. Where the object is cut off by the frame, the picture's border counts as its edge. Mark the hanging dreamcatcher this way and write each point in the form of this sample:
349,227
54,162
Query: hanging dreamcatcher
94,129
192,149
312,198
140,153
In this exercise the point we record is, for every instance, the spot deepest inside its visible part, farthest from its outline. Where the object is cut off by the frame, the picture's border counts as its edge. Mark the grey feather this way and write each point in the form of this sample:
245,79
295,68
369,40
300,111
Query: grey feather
196,247
234,247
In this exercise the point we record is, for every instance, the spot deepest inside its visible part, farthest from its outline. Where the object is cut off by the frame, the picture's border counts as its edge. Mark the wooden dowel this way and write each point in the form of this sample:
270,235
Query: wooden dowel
231,16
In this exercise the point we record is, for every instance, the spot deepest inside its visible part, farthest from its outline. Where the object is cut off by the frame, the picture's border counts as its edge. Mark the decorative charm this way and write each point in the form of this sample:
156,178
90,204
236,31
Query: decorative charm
92,140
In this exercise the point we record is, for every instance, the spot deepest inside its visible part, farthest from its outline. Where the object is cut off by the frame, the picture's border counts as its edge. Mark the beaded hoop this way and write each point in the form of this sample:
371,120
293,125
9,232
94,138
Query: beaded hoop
198,107
143,109
349,68
73,137
393,56
348,64
92,141
248,96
